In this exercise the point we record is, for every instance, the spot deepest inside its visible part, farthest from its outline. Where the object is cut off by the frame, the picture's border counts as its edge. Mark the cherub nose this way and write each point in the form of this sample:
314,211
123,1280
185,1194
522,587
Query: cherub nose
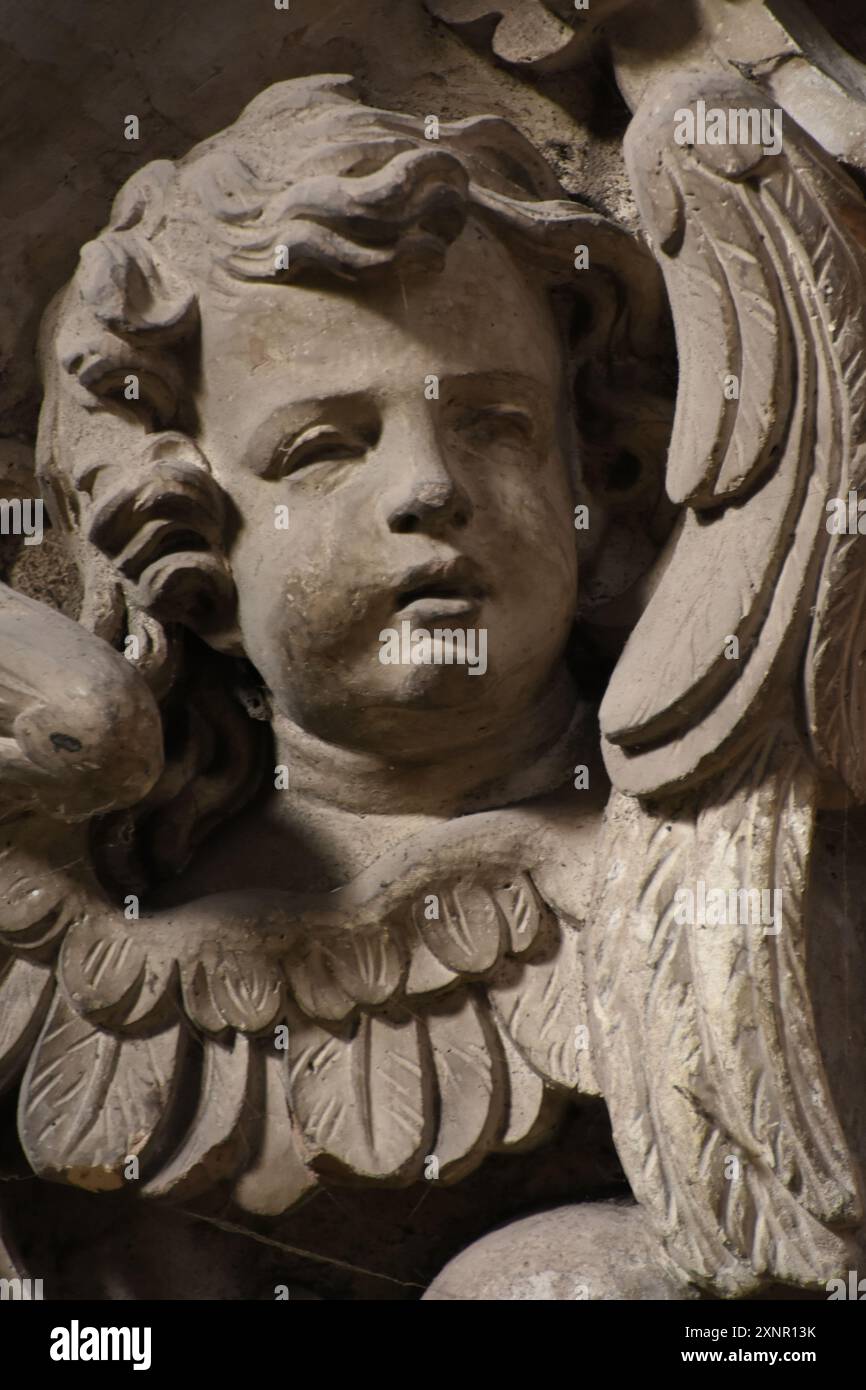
425,495
431,504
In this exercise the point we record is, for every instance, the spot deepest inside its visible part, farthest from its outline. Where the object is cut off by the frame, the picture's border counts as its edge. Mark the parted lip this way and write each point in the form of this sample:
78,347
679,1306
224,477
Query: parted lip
441,586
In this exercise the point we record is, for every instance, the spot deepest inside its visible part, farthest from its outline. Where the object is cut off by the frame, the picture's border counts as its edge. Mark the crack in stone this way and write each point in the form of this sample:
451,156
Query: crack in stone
234,1229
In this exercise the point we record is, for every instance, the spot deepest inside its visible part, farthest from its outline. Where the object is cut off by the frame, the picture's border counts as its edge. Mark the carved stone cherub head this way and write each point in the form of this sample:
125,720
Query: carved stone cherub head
314,382
322,312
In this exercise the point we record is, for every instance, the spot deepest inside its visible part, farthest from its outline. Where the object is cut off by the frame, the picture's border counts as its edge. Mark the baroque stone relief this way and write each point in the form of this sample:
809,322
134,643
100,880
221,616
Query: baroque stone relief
278,912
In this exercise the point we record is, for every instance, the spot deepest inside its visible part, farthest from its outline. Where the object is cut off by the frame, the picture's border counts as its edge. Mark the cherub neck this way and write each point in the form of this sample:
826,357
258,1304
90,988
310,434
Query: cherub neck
341,811
531,757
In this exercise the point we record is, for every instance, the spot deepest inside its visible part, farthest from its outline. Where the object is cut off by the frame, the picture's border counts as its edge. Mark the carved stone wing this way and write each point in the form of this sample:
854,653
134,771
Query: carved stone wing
703,1030
80,735
258,1039
764,258
431,1008
742,681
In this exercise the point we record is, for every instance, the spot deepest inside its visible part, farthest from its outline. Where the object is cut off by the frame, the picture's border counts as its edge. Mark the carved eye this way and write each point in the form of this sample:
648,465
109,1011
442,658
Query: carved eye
318,444
496,424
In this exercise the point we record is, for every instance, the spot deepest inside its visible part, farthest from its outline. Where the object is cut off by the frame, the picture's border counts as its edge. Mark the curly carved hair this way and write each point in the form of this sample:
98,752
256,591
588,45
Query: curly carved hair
308,181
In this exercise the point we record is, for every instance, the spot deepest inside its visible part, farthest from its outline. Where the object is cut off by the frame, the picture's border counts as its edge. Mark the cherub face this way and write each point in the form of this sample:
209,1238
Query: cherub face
449,510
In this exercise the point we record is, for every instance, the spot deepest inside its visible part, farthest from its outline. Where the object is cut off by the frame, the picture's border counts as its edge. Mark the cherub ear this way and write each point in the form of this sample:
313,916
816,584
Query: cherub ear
765,286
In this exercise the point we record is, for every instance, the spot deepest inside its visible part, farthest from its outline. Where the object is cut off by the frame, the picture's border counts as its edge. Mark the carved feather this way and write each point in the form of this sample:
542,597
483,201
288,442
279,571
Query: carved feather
465,931
470,1077
426,974
540,1003
523,910
26,988
836,657
90,1101
766,290
43,870
313,983
102,971
704,1036
277,1177
247,989
197,992
217,1141
363,1102
366,964
534,1108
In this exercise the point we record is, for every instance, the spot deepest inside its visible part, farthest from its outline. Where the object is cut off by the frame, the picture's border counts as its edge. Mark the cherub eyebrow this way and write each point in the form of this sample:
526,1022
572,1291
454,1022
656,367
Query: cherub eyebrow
493,374
288,409
505,381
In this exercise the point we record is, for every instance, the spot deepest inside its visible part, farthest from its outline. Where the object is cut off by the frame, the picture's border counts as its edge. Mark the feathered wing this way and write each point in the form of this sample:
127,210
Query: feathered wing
376,1037
704,1035
80,735
101,1104
764,258
257,1040
704,1032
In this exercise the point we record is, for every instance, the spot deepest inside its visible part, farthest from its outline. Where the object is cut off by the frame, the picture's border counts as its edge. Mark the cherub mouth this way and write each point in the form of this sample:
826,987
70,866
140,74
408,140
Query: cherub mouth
432,592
